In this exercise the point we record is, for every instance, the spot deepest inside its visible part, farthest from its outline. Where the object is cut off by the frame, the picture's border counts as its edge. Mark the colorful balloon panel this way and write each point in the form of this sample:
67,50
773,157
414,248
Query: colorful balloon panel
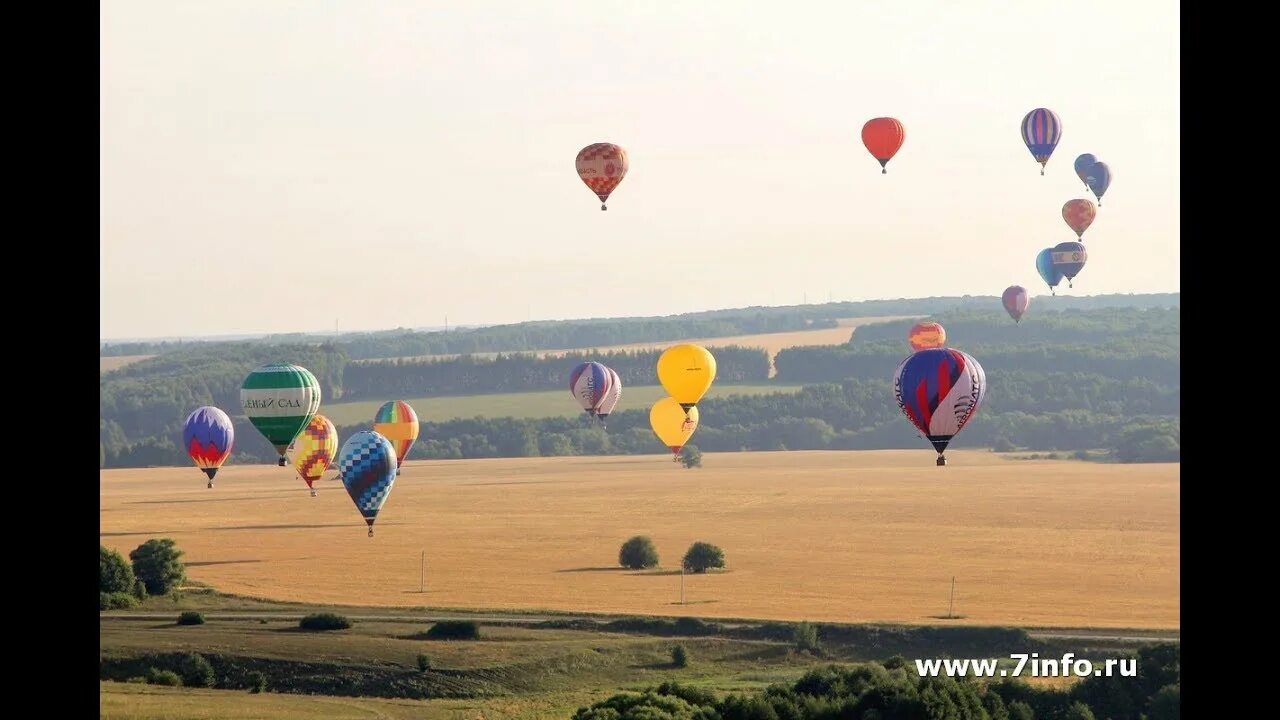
1098,179
939,390
671,424
397,422
367,464
314,450
1041,131
1079,214
925,335
601,166
611,396
1048,271
589,383
208,437
1069,258
686,372
1082,165
279,400
883,137
1015,300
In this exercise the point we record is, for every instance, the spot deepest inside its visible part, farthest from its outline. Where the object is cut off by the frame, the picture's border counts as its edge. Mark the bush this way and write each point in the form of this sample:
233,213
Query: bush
679,656
257,682
114,574
454,630
196,671
895,662
638,553
424,662
116,601
324,621
139,589
691,456
164,677
191,617
158,564
805,637
703,556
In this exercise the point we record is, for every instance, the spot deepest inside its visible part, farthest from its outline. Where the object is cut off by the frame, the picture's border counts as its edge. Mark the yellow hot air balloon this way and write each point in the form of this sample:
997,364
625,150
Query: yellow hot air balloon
313,451
686,372
670,423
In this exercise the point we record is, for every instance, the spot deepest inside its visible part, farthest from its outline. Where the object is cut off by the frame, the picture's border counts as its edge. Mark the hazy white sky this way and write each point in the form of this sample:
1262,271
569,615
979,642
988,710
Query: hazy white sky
284,165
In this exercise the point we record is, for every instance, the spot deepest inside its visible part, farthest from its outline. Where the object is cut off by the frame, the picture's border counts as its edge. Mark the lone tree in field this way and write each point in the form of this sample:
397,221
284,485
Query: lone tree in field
158,564
691,456
703,556
114,574
638,553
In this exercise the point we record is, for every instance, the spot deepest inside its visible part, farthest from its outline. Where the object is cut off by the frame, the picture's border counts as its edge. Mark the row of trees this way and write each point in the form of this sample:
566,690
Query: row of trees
639,553
154,568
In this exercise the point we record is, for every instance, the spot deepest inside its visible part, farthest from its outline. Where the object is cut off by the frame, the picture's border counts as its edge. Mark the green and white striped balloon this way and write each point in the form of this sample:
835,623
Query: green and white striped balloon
280,400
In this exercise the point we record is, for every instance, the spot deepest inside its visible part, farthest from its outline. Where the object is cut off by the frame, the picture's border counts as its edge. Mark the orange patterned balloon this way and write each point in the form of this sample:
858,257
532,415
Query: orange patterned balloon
925,335
1079,214
602,166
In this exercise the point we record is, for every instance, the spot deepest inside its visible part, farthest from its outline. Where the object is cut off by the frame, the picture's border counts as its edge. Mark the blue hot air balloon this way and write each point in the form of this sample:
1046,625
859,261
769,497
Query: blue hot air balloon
1041,131
1083,163
1098,179
367,464
939,390
1069,258
589,382
207,437
1050,274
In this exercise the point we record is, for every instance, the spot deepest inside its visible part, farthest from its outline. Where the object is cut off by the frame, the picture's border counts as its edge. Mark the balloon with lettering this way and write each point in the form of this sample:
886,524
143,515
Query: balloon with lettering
939,390
927,335
314,450
671,424
280,399
611,396
1083,163
1099,179
208,436
1015,300
1079,215
367,464
1048,272
602,166
1069,258
883,137
397,422
589,383
1041,131
686,372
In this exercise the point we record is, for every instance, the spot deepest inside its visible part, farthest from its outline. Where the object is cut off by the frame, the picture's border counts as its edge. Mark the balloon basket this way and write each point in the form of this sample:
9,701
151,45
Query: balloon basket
370,532
210,484
942,461
313,492
281,463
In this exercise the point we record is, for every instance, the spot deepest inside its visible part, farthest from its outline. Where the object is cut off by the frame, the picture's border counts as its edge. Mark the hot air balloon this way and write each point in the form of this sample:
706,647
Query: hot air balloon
1099,179
939,390
611,396
1079,214
883,137
397,422
1069,258
1083,163
672,425
602,166
686,372
927,335
208,436
314,450
589,383
280,400
1015,300
1048,271
1041,131
367,464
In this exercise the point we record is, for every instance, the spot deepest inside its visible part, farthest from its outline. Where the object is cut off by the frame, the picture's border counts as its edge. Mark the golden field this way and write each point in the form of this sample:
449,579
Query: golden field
826,536
107,364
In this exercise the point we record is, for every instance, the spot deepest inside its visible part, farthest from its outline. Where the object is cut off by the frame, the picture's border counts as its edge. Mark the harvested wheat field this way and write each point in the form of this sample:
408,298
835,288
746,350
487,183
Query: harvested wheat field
830,536
107,364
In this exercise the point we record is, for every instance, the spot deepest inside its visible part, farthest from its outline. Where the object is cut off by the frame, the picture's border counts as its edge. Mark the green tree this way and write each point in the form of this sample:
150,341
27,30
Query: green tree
691,456
1019,710
158,564
114,574
1166,704
1079,711
679,656
424,662
638,553
702,556
805,636
196,671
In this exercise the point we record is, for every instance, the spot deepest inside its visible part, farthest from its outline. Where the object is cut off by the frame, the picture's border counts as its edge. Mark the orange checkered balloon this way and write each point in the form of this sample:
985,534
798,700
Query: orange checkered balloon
602,166
926,335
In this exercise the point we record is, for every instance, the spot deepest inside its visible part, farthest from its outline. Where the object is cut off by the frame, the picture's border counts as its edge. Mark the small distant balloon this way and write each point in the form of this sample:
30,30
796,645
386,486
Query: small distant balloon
883,137
1079,215
589,383
208,436
1015,300
1048,271
1099,179
611,396
1069,258
602,166
1082,165
924,335
397,422
1041,131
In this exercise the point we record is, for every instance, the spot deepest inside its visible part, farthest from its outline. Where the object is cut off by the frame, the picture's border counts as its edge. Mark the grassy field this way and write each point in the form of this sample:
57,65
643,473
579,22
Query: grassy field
824,536
539,404
107,364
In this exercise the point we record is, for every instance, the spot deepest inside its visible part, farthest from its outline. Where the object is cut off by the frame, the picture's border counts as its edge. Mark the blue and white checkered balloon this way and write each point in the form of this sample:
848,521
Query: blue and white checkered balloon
367,464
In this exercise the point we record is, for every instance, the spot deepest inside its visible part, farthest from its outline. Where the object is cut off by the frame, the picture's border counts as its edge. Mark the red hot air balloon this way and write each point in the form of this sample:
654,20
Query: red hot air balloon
883,137
925,335
1079,214
1015,300
602,166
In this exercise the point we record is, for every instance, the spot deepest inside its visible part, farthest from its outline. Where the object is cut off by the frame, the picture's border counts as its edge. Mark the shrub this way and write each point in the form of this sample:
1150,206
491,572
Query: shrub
257,682
424,662
196,671
454,630
191,617
895,662
703,556
805,636
638,553
116,601
158,564
139,589
324,621
114,574
679,656
164,677
691,456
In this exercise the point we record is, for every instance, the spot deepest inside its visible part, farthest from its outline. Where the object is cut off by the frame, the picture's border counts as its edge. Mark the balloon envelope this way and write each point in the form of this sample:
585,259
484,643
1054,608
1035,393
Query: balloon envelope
939,390
1098,179
280,400
1048,271
314,450
367,464
1069,258
1079,214
927,335
611,396
670,423
883,137
589,383
1082,165
1015,300
397,422
208,436
1041,131
686,372
601,166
